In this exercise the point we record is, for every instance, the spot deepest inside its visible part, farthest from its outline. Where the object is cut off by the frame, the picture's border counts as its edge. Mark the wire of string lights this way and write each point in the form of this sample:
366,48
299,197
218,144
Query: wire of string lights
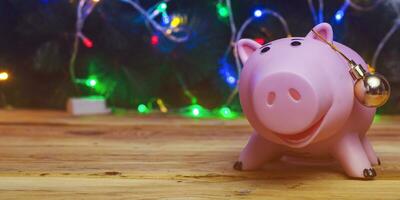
84,8
388,35
350,3
318,17
173,32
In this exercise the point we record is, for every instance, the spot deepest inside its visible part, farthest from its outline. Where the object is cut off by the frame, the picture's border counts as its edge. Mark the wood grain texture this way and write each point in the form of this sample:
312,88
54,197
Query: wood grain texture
51,155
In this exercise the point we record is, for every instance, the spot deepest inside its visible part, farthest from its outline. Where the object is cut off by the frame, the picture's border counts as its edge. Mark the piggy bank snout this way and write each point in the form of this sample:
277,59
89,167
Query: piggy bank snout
289,103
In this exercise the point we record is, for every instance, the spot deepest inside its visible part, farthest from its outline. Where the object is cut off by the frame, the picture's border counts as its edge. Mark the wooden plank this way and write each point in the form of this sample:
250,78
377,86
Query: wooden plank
50,155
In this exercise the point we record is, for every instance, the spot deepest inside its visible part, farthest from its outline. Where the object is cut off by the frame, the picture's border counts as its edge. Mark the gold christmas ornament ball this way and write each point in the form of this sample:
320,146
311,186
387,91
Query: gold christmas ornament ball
373,90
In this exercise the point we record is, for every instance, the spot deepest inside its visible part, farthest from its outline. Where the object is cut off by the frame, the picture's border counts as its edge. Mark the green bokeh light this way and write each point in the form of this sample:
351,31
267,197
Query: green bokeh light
162,7
195,111
222,10
143,109
91,82
227,113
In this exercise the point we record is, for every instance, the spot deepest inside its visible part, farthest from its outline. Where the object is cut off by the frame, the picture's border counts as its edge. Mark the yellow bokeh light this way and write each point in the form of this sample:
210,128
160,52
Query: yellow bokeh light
3,76
176,21
161,105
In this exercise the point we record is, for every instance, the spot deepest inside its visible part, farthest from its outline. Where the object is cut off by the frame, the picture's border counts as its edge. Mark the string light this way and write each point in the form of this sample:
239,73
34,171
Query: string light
257,13
227,73
318,18
260,40
154,40
83,10
226,113
222,10
176,21
143,109
341,12
365,8
195,111
87,42
388,35
3,76
161,105
178,34
91,82
165,18
162,7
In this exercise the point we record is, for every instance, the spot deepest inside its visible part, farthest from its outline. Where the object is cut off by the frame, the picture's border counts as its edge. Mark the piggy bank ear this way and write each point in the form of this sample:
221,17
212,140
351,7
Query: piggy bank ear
245,47
324,29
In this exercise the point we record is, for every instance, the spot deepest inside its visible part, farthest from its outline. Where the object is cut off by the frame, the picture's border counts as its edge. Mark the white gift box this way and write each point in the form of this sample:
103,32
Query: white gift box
92,105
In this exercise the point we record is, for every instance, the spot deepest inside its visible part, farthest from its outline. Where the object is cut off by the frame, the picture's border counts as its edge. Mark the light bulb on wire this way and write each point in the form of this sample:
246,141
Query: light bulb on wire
165,18
227,73
91,82
226,113
176,21
341,12
257,13
87,42
161,105
154,40
222,10
3,76
260,40
143,109
162,7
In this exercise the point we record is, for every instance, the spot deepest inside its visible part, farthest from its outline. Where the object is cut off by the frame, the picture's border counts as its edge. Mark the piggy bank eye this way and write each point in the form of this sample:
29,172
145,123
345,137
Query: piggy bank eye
265,49
295,43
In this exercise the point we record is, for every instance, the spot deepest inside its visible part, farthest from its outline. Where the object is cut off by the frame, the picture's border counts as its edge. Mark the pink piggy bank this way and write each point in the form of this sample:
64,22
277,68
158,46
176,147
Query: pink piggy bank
298,96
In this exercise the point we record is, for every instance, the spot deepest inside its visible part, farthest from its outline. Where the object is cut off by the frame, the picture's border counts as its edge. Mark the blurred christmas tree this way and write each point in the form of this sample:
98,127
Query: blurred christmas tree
132,63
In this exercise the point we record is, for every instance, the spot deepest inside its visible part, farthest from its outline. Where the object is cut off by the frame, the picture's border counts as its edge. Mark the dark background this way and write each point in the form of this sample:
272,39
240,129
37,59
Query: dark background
36,39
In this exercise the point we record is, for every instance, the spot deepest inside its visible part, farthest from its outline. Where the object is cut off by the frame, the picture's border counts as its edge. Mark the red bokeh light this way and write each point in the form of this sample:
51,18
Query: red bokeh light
87,42
260,40
154,40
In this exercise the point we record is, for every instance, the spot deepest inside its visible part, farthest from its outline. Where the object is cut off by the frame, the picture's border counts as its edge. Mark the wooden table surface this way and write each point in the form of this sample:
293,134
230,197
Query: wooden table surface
51,155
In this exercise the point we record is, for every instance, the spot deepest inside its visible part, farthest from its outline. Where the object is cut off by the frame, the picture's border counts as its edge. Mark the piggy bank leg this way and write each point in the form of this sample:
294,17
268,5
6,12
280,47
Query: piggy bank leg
257,152
370,152
349,151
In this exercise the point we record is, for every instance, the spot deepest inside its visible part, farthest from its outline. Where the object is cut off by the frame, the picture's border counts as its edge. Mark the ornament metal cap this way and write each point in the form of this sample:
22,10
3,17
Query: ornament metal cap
356,70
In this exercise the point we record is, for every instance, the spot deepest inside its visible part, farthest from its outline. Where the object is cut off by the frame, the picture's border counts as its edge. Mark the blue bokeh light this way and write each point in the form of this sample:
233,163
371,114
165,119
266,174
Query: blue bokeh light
257,13
339,15
227,73
165,18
